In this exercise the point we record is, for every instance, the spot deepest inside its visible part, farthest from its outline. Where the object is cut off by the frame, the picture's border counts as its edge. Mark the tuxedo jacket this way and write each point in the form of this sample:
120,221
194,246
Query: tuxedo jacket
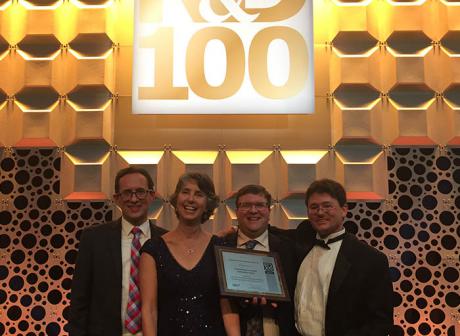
284,313
95,305
360,296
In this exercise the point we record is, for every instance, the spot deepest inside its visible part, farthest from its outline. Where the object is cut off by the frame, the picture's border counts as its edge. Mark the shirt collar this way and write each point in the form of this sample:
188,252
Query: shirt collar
126,227
332,235
243,239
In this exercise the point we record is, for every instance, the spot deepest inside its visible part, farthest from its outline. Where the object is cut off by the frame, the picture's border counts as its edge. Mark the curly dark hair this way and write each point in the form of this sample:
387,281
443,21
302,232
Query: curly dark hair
327,186
206,185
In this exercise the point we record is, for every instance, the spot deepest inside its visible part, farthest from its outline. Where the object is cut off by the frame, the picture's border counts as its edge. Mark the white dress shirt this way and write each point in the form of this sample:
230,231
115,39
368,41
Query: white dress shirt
269,323
312,287
126,240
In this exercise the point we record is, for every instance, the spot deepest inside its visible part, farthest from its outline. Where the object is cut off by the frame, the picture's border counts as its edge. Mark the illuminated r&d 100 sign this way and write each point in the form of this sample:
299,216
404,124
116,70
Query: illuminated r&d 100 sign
223,57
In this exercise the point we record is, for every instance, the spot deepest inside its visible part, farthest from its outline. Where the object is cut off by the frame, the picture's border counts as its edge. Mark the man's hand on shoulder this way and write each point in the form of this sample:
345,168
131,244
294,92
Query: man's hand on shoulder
226,231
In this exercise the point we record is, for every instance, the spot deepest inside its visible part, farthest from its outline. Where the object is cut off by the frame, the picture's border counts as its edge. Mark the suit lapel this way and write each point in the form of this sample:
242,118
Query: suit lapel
153,229
231,239
341,267
273,243
114,240
302,251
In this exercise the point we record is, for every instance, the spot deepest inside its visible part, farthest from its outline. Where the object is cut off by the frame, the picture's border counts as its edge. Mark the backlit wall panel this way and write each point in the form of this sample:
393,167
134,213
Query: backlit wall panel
386,124
416,226
38,241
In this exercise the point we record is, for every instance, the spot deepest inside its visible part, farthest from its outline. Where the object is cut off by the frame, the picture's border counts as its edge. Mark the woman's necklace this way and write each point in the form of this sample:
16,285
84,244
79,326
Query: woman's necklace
189,250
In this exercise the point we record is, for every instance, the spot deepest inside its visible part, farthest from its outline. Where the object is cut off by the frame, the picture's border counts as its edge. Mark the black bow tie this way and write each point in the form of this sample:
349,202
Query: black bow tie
325,245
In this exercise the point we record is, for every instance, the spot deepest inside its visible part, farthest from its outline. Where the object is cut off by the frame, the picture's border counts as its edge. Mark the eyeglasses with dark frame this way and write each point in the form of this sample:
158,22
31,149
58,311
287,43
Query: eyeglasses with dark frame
140,193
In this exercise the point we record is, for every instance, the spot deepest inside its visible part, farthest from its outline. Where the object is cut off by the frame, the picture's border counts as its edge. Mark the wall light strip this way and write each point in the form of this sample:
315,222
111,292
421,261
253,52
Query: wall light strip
82,57
196,157
367,107
449,53
142,157
80,4
25,108
362,3
79,162
364,55
370,161
29,57
420,53
6,5
451,105
451,4
31,6
77,107
247,157
424,106
303,157
406,4
3,55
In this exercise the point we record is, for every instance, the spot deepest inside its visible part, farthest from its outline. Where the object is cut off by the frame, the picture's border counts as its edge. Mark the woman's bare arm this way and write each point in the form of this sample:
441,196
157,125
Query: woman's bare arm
230,317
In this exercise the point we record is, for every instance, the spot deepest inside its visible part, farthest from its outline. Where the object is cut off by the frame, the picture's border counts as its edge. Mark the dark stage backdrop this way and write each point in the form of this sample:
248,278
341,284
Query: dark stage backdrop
417,227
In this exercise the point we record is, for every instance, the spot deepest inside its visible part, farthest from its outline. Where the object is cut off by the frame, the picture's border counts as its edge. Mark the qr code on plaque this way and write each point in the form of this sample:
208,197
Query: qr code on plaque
268,268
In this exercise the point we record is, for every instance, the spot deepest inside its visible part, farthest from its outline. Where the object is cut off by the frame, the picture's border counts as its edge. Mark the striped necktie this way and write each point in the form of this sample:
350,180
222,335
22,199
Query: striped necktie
133,309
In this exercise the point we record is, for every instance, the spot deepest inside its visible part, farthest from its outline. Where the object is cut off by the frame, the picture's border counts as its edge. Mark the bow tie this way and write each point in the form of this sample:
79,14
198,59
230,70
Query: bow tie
325,245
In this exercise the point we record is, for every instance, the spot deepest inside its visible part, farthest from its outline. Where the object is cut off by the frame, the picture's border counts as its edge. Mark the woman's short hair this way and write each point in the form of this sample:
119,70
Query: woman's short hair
206,185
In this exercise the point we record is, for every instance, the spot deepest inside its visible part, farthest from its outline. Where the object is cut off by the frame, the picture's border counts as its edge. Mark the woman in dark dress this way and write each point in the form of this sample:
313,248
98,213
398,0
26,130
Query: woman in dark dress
178,275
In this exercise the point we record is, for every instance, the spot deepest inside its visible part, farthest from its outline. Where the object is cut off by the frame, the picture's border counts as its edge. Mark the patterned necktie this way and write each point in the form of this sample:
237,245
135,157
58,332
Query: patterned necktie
250,244
133,309
254,325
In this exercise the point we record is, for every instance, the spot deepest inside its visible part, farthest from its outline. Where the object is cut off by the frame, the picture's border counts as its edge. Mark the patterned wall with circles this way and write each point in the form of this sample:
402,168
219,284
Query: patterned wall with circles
417,227
38,241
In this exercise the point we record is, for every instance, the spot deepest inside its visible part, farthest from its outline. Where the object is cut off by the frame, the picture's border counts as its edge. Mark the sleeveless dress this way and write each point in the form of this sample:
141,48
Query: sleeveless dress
188,300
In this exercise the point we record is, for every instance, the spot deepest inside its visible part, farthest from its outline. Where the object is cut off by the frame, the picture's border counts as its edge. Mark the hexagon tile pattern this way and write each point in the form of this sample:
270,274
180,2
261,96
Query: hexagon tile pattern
417,227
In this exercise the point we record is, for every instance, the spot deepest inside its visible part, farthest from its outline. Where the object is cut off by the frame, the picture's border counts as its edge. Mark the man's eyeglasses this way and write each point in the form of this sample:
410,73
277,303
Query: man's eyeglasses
140,194
247,206
326,207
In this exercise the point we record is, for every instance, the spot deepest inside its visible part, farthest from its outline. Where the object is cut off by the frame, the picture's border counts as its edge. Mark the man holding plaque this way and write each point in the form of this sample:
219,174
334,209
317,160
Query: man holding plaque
253,212
343,285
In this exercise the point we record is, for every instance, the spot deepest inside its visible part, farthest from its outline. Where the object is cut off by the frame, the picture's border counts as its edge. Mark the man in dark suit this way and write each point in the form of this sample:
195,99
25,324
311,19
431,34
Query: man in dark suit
343,285
253,212
104,284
